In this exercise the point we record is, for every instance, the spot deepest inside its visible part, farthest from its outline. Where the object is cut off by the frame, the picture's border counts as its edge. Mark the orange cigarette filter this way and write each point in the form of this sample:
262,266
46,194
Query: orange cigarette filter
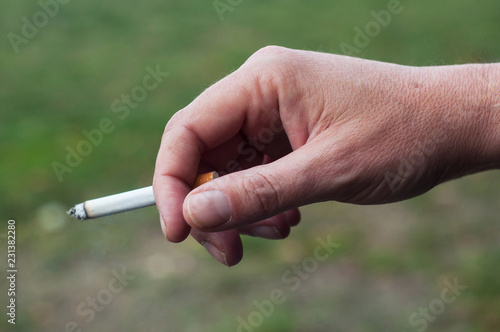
204,178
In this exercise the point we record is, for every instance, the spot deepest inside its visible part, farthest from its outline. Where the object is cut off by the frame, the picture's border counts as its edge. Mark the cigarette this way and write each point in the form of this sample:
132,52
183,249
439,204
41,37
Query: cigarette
126,201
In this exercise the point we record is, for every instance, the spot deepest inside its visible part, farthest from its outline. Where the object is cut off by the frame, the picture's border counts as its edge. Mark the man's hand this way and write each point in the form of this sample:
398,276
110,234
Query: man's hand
294,127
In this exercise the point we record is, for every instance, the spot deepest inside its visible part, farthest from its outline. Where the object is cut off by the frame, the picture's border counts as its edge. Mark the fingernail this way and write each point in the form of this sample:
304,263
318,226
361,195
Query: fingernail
267,232
209,209
216,253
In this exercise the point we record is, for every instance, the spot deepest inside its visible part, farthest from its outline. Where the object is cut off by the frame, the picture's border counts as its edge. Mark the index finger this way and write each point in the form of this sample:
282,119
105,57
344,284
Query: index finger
211,119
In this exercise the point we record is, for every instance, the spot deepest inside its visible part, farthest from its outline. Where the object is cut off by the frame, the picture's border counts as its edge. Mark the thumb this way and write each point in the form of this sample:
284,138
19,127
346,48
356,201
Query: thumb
257,193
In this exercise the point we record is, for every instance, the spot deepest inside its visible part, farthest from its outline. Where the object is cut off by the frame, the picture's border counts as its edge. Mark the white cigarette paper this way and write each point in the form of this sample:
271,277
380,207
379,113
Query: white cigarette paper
117,203
127,201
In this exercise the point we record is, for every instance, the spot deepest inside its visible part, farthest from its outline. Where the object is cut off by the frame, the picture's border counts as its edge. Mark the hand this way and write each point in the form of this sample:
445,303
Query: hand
294,127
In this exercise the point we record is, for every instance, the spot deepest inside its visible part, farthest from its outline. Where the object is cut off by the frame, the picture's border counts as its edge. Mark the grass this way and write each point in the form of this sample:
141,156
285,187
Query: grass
392,260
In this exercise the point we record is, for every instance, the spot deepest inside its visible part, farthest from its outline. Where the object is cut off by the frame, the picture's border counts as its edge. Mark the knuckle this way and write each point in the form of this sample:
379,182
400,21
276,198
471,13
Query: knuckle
176,117
274,69
262,189
270,51
268,68
174,120
270,61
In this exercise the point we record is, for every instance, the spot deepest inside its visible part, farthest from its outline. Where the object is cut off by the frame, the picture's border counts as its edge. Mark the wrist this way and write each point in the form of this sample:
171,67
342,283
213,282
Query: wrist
481,89
460,107
492,89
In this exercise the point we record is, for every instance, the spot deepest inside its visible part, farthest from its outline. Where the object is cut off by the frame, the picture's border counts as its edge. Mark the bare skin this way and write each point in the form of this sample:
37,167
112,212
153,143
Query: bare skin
295,127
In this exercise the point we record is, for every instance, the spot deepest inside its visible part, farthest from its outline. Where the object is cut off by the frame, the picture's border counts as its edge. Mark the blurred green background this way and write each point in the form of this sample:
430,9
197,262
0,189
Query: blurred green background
392,259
